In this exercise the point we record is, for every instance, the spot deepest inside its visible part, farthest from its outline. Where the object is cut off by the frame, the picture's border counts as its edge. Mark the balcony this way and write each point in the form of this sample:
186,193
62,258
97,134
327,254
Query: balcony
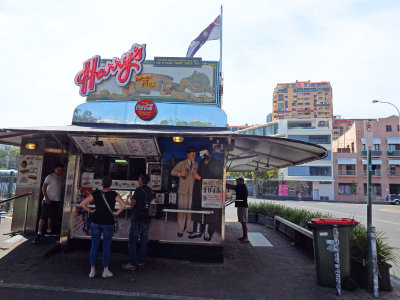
394,173
373,153
347,172
376,172
393,153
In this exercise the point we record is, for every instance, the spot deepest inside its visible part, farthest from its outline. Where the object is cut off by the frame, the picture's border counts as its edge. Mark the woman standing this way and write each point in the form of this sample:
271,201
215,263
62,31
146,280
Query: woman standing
102,223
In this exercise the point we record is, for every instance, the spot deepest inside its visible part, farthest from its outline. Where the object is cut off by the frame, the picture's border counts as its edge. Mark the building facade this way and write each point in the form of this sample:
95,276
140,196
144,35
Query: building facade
350,161
302,100
314,180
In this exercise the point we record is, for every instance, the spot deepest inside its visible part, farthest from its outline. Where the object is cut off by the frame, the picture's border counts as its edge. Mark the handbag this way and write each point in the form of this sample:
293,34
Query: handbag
115,221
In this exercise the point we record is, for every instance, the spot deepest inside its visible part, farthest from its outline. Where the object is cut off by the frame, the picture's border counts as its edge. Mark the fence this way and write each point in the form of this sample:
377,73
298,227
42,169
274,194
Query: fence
7,187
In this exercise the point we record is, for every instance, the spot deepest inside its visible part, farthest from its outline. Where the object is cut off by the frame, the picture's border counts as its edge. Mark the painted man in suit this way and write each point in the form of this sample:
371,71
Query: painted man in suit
186,170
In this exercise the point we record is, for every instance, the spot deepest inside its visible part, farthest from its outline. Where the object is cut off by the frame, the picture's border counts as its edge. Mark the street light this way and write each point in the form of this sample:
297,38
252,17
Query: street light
398,111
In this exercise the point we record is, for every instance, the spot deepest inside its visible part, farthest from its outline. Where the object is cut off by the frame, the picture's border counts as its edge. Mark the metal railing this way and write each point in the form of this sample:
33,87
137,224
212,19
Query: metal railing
347,172
394,172
7,186
26,195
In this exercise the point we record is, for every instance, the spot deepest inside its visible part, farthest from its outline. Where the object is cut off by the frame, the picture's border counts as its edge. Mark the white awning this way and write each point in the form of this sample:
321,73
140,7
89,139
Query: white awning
375,141
393,140
394,162
346,161
373,161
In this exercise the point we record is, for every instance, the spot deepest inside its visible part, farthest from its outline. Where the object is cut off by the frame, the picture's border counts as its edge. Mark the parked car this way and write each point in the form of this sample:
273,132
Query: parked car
393,199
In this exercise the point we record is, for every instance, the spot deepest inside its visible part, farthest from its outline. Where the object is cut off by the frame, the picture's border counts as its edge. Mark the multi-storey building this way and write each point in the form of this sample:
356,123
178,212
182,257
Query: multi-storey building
313,180
340,126
302,100
350,161
234,128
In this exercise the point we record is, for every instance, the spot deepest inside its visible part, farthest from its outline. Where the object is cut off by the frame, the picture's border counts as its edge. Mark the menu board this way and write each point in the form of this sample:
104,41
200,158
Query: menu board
211,193
117,146
30,167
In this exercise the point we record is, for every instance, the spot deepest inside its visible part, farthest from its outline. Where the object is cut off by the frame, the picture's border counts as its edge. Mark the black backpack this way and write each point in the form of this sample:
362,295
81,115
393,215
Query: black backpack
150,205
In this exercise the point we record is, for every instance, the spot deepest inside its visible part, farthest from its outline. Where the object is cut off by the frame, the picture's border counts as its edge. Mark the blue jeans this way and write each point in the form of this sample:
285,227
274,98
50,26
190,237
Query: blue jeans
138,230
96,230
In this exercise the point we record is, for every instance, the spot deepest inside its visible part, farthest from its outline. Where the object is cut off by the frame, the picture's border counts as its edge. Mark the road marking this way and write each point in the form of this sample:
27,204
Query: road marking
390,210
96,292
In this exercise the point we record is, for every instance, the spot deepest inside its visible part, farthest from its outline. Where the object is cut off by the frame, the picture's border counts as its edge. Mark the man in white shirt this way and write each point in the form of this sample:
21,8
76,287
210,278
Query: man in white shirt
52,197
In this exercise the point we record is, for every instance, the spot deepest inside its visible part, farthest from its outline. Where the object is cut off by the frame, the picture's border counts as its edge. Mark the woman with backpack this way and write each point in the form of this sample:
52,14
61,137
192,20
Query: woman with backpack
140,224
102,223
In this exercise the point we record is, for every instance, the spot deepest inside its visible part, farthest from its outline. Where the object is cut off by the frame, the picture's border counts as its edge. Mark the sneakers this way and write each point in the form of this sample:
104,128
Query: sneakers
37,239
107,273
92,273
128,267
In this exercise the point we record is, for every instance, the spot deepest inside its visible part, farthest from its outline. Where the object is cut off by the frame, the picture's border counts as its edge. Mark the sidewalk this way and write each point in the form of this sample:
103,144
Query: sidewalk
248,272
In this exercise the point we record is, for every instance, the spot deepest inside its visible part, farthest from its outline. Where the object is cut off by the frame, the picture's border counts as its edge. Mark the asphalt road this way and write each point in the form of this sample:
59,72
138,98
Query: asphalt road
385,218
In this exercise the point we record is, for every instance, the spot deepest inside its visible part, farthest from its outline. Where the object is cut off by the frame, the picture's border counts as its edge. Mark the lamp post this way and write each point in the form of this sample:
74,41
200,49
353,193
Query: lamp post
398,111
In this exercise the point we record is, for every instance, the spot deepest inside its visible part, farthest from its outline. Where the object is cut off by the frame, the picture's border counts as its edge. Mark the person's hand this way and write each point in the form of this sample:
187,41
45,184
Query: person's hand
184,173
91,211
115,213
47,200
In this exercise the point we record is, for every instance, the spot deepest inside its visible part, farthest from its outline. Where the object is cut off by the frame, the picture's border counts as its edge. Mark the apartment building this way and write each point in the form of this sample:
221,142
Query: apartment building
313,180
302,100
350,161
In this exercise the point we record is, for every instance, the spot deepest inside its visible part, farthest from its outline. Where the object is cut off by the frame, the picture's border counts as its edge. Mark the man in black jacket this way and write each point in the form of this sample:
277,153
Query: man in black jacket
241,204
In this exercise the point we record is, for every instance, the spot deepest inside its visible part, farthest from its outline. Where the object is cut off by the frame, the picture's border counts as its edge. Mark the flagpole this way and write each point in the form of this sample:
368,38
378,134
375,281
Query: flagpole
220,55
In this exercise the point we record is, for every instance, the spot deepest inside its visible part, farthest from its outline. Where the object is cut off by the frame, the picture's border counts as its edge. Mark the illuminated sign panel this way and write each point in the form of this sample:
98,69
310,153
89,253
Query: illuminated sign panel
93,74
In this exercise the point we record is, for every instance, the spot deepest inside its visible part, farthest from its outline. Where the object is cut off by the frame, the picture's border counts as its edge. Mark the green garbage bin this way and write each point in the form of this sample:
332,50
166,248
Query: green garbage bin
324,248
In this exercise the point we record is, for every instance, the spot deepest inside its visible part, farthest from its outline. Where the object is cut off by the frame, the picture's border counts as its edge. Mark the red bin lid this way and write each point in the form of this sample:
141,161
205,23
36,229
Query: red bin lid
336,221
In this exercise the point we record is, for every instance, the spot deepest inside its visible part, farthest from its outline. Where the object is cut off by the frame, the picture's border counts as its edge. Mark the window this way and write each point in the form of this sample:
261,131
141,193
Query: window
320,171
345,188
376,189
388,128
377,147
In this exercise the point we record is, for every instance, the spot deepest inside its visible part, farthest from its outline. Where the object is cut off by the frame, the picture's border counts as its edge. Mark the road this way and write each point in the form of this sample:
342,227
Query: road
385,218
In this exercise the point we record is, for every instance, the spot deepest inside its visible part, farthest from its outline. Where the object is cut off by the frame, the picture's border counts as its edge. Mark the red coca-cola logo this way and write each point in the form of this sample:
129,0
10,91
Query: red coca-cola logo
146,109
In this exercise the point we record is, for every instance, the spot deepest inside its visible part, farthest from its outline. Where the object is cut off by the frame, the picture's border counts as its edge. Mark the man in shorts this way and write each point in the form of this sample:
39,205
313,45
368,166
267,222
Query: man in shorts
52,197
241,204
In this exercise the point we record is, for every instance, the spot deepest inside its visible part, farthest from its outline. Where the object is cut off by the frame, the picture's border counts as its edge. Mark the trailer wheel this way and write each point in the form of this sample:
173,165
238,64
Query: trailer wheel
397,202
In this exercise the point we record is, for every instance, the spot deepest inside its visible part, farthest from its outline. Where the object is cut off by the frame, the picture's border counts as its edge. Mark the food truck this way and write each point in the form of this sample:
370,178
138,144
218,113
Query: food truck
142,116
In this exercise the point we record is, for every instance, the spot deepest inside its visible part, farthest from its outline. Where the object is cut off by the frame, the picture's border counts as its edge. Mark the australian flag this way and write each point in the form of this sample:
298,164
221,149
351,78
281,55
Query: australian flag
212,32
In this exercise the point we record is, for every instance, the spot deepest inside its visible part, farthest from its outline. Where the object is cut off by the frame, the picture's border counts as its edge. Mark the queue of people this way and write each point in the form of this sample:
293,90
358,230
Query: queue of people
102,216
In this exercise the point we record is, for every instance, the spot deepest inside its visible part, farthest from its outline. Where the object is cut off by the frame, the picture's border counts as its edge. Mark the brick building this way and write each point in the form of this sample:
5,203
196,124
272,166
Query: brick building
302,100
350,161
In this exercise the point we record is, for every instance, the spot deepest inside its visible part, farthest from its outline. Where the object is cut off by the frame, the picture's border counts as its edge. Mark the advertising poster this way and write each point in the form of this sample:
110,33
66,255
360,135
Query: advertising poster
283,190
30,167
212,193
165,81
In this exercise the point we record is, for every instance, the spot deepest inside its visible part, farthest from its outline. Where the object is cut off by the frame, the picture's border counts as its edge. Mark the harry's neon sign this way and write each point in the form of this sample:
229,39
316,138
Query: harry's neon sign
122,69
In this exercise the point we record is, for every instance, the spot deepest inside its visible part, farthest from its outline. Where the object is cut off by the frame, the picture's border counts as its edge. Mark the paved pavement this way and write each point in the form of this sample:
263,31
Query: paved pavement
248,272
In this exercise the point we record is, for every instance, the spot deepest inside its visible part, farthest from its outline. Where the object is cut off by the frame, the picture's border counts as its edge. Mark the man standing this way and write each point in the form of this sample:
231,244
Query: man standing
186,170
140,225
209,168
51,190
241,204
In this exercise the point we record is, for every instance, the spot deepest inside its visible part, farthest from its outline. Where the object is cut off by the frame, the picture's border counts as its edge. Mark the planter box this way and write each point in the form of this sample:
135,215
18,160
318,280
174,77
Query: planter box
261,219
269,222
359,273
252,218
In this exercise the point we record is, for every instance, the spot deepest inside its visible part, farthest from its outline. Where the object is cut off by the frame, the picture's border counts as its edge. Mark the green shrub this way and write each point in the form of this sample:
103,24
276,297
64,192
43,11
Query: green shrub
302,216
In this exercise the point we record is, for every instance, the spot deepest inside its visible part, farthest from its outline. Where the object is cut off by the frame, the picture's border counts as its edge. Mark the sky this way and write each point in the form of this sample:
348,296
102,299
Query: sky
351,43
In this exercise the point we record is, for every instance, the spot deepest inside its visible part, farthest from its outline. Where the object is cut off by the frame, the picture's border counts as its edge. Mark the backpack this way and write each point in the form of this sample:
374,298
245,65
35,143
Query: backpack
150,205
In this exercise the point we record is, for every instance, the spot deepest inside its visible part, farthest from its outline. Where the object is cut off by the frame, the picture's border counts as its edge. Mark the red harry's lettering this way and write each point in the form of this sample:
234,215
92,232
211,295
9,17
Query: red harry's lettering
122,69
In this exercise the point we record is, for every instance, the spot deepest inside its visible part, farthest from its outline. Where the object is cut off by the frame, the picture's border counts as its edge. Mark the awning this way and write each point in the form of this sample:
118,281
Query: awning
393,140
249,153
346,161
373,161
394,162
375,141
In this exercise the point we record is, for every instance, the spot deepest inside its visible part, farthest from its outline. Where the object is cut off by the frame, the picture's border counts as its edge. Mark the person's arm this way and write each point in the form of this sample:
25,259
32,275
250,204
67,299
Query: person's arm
177,171
44,191
85,202
121,203
230,186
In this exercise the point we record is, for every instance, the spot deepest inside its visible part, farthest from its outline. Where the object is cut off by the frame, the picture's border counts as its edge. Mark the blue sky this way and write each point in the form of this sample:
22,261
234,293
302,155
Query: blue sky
353,44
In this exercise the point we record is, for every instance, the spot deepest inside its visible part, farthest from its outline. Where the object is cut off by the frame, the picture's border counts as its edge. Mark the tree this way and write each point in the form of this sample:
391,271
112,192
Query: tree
257,178
354,189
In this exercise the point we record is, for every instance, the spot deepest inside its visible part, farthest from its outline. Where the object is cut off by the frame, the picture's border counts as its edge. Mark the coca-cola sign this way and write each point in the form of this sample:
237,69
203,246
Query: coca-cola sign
122,68
146,109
